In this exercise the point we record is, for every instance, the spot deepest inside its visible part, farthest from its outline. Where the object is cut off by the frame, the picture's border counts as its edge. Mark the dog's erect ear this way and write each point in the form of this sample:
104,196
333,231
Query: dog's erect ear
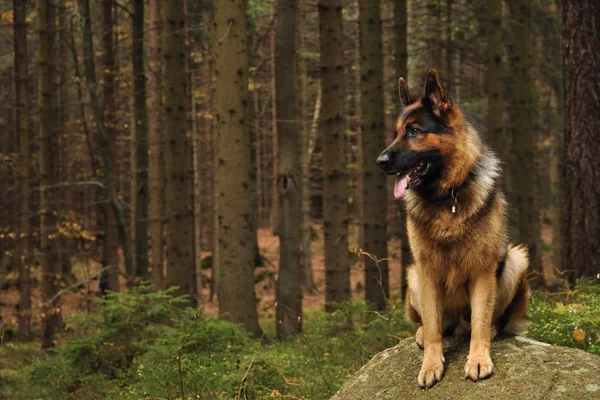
436,93
404,92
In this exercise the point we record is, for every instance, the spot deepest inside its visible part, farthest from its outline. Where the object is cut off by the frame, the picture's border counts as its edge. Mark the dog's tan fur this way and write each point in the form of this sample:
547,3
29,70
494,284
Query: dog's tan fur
453,284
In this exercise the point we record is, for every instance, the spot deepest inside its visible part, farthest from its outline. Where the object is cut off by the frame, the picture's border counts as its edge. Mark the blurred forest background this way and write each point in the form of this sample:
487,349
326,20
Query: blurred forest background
178,174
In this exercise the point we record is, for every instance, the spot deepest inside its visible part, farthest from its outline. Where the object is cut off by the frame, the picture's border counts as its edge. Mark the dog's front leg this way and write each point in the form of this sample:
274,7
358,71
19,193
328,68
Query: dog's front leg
432,369
483,290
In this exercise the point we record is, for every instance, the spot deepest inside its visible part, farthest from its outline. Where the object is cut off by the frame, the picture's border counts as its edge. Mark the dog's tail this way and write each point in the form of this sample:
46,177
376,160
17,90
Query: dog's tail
513,291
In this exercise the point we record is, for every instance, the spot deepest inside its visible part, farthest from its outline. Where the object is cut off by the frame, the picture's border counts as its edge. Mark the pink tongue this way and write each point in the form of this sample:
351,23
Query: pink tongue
400,186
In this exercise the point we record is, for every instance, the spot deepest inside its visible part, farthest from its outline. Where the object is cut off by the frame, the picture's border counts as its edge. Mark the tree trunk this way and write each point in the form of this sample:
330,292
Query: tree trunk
524,143
307,278
449,47
582,137
104,140
24,231
180,225
374,198
110,253
234,220
140,186
333,130
48,168
495,86
288,313
401,68
156,145
67,245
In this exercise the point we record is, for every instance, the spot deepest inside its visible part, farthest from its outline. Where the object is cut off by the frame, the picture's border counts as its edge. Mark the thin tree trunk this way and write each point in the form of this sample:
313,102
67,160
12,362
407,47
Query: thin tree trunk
67,244
179,207
335,191
374,199
275,137
524,135
307,279
449,47
234,220
140,185
207,185
401,68
24,233
495,86
110,253
48,168
288,314
582,138
103,139
156,144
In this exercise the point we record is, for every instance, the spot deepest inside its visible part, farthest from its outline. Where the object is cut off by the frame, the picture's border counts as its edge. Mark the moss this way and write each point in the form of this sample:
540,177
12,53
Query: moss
524,369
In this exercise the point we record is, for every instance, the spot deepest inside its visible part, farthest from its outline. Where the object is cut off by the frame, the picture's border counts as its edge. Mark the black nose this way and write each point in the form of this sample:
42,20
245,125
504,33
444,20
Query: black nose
384,161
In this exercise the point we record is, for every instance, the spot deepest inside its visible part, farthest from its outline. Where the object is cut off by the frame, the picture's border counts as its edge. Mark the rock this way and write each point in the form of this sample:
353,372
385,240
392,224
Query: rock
524,369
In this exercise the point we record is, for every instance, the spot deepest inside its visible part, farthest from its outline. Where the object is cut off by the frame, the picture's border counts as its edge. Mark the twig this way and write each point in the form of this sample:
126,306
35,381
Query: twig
239,395
75,285
226,33
179,369
360,252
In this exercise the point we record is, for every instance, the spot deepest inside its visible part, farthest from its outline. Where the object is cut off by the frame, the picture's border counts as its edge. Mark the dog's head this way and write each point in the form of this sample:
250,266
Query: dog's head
434,147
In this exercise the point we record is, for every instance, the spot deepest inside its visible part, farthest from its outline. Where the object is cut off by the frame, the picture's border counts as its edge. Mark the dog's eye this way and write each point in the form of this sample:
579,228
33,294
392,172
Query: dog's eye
413,131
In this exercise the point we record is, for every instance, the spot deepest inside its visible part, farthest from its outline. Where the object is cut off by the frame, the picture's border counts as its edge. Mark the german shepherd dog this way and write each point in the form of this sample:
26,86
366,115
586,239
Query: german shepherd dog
466,277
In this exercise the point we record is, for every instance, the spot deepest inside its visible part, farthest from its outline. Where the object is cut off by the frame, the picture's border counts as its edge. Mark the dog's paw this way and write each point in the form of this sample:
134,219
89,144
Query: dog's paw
479,366
419,337
432,371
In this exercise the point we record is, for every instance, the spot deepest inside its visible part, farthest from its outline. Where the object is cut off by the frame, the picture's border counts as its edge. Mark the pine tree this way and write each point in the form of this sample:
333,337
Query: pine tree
48,169
24,232
523,140
582,134
333,132
233,192
179,208
289,296
140,132
156,144
374,198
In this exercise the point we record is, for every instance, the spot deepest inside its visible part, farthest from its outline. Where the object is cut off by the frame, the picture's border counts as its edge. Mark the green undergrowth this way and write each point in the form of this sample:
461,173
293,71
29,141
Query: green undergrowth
128,349
570,318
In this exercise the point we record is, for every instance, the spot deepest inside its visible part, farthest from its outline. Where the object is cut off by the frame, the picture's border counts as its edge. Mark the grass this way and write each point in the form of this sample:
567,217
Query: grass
128,349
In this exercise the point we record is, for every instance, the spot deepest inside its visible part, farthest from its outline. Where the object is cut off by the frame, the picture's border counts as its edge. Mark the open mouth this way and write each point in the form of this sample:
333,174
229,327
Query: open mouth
413,178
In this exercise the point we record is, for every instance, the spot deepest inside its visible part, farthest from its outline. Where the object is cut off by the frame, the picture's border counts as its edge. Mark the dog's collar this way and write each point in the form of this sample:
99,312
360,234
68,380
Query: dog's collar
452,194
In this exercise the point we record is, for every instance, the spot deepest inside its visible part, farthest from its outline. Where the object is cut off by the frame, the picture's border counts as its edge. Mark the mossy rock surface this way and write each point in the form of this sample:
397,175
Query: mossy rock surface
524,369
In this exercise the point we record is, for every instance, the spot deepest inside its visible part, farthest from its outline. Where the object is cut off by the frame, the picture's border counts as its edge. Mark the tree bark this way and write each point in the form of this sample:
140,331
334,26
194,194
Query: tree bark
401,68
156,145
335,191
48,168
374,197
67,245
524,136
24,231
495,86
179,208
582,137
449,47
307,278
234,220
288,314
110,253
140,131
